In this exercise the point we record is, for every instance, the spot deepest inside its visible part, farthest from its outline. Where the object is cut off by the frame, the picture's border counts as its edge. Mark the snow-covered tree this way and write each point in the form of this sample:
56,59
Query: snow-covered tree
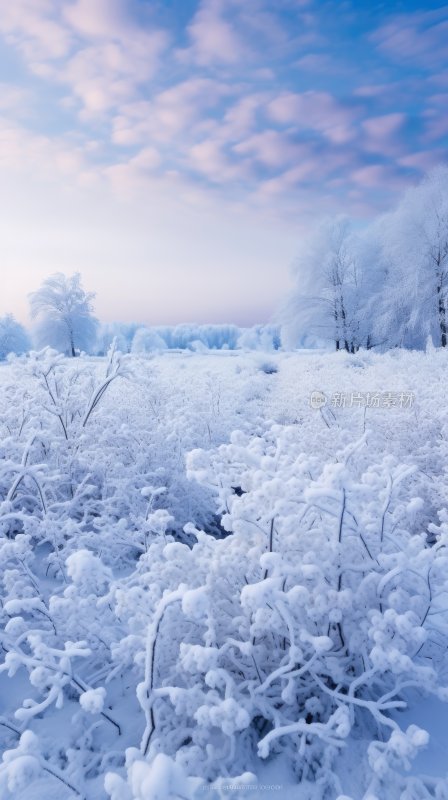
385,286
63,310
120,332
326,301
147,340
415,242
13,337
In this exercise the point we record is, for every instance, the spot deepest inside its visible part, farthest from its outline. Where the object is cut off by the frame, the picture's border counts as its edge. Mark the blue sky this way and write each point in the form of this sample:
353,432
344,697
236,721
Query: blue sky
176,152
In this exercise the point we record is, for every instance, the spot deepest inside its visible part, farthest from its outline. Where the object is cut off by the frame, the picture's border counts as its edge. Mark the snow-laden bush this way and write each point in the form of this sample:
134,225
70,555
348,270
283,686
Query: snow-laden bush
146,340
260,337
308,625
164,779
147,656
13,337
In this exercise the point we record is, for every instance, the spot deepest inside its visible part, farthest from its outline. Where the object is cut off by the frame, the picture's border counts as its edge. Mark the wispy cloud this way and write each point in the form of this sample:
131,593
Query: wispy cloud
287,108
416,38
241,92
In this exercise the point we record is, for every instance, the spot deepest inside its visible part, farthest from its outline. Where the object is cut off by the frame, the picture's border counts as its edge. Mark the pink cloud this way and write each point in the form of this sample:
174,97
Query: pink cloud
180,110
100,76
378,176
385,126
423,160
289,179
213,38
97,18
419,37
33,26
209,159
435,117
241,117
318,111
271,148
381,134
371,177
372,90
127,177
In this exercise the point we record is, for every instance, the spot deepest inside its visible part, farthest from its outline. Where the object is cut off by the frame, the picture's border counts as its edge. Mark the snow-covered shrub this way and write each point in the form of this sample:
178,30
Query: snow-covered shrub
308,625
146,340
120,332
145,655
24,766
164,779
13,337
260,337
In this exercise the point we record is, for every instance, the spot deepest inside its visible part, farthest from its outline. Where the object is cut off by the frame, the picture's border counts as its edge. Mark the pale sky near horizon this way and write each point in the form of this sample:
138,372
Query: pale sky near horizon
175,151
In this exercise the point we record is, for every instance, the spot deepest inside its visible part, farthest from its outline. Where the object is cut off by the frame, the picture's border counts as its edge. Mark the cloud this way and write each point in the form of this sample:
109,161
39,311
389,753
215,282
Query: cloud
269,147
176,114
226,33
312,110
238,96
209,159
379,176
385,126
417,38
104,76
98,19
33,27
129,176
382,134
241,117
49,157
424,160
214,39
93,47
435,118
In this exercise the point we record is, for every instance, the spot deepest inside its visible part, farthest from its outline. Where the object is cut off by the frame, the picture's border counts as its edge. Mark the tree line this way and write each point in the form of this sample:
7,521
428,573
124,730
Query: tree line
380,287
64,320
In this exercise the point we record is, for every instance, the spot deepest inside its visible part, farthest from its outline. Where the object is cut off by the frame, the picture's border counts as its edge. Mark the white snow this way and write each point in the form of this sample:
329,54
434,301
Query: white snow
209,587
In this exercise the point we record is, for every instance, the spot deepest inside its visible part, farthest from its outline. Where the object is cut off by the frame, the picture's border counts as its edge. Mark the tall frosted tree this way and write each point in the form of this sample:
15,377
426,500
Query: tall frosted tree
63,311
415,248
327,301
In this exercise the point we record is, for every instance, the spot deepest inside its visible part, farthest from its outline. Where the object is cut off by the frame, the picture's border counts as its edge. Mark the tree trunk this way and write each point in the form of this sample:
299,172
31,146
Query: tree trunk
344,325
336,330
442,318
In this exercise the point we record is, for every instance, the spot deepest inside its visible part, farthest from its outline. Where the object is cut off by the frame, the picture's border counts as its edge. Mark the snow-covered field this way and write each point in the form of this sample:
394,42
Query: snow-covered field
224,574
